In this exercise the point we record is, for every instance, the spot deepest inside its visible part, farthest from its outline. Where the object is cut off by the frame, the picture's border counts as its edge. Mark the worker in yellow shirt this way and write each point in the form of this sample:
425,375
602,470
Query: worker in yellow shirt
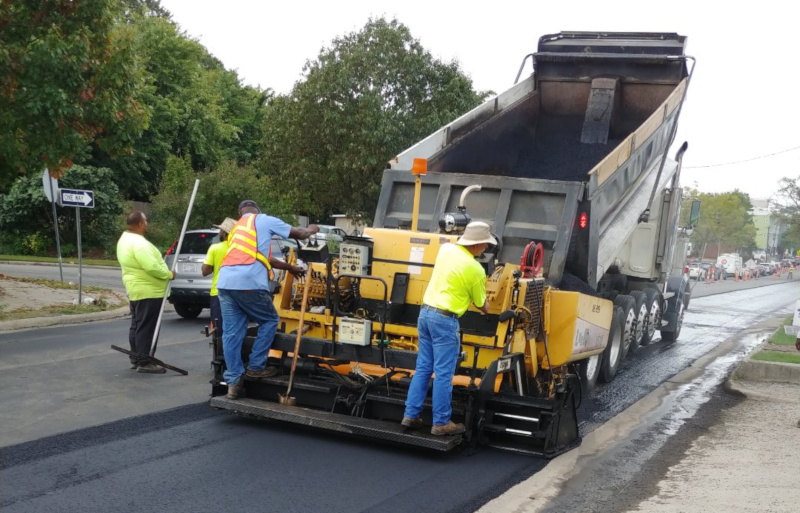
211,266
457,280
145,276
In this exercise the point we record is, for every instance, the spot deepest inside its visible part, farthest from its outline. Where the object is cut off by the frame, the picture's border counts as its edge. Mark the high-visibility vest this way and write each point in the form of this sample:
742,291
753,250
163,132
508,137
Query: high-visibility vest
243,245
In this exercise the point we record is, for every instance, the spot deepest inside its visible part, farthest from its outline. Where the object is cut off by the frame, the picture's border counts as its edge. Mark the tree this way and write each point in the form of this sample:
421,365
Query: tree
787,200
219,193
68,78
26,220
198,108
725,222
367,97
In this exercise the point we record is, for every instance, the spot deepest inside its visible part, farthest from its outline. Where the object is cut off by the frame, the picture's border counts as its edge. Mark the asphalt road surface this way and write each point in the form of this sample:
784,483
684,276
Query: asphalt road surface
106,277
191,458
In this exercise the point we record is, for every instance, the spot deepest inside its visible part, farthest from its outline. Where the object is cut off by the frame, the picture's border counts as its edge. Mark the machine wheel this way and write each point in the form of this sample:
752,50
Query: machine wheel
672,336
612,356
589,370
187,311
653,318
641,316
628,305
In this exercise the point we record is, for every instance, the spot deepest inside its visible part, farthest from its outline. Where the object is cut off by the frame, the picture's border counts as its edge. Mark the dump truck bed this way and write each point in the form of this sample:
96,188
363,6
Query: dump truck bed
587,130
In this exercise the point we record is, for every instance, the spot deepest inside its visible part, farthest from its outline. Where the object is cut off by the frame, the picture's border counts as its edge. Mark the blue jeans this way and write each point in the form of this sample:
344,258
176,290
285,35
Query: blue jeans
237,307
439,346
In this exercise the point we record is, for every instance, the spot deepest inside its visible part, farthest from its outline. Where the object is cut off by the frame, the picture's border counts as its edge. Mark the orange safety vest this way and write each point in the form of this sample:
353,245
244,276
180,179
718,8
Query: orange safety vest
243,245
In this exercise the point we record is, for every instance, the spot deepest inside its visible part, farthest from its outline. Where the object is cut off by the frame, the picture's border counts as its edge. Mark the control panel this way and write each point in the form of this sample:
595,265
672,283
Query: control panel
353,259
357,332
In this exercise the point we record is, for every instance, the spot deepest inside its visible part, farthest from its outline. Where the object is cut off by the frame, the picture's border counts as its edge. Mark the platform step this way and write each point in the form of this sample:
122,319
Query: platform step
356,426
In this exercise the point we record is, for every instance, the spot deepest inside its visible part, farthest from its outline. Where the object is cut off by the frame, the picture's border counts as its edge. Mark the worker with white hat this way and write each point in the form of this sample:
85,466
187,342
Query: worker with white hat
457,281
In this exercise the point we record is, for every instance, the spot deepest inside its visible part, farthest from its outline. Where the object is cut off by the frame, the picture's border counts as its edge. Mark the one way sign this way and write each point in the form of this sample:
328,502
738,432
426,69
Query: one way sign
76,198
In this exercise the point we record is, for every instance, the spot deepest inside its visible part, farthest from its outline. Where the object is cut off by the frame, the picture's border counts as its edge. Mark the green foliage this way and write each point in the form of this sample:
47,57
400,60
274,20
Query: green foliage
198,109
724,221
366,98
788,211
68,78
218,197
26,220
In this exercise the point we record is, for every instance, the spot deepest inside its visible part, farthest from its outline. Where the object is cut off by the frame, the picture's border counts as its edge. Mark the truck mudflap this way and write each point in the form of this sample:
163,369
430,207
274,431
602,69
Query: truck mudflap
502,418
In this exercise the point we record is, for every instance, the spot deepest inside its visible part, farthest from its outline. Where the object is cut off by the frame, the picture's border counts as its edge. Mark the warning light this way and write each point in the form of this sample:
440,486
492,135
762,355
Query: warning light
420,167
583,220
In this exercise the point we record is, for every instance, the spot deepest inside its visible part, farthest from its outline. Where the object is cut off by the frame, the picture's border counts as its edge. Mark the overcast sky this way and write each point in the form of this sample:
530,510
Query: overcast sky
742,104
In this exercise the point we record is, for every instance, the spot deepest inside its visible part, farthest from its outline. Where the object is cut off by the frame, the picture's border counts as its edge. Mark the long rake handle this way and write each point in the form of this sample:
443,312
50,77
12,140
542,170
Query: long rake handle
299,334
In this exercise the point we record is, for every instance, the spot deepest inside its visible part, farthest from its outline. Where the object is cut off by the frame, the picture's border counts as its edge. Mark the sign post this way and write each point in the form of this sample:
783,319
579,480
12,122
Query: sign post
50,186
78,199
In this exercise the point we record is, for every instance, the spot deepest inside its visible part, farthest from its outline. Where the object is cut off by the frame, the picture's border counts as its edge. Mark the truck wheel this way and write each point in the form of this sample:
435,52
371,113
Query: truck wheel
589,370
628,305
187,311
612,356
641,317
672,336
653,318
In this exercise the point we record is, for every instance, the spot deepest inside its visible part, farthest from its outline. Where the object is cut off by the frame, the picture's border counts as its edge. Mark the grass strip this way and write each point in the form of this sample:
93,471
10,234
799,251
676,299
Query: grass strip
780,338
54,260
777,356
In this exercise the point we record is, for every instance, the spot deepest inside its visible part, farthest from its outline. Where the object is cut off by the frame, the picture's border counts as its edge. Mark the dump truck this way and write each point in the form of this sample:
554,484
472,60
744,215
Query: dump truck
570,168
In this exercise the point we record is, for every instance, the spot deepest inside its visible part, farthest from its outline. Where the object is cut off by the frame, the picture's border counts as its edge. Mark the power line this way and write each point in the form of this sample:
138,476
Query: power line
745,160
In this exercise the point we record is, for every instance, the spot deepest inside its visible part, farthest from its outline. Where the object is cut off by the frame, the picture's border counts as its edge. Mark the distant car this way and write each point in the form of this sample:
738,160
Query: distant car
190,291
329,232
696,272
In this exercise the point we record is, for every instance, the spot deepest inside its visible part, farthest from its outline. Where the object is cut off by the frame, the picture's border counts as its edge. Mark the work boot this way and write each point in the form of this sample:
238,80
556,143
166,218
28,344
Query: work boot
134,366
448,429
412,423
266,372
236,390
151,368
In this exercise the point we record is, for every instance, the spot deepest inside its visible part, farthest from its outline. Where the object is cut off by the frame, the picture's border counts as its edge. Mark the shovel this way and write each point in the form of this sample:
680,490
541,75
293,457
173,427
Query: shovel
286,398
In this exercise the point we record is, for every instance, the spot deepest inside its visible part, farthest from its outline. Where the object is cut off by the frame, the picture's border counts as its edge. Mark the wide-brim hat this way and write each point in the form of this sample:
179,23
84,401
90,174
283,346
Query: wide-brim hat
227,225
476,233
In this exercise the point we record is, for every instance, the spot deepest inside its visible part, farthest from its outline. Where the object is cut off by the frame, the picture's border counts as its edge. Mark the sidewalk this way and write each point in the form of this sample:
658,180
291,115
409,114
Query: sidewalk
748,461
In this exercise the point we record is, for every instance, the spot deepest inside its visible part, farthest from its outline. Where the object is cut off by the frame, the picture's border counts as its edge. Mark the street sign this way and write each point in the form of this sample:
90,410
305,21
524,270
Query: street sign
50,185
76,198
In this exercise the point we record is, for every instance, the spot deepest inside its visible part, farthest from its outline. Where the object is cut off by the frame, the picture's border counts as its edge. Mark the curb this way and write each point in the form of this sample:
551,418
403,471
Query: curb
60,320
754,370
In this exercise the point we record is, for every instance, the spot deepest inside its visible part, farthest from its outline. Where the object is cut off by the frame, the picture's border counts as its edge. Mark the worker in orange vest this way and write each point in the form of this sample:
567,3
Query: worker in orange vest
244,293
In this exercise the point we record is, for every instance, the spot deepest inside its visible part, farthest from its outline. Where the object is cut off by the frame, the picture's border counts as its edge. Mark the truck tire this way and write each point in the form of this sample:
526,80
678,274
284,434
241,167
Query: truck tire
589,371
653,318
641,316
612,356
629,317
187,311
672,336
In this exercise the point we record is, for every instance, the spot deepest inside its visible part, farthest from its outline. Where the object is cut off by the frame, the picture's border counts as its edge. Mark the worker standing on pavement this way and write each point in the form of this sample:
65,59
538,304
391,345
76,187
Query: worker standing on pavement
145,276
243,290
457,280
216,252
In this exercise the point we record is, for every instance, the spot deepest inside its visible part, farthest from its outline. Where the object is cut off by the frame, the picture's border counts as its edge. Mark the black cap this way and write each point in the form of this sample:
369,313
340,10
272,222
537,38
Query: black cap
249,203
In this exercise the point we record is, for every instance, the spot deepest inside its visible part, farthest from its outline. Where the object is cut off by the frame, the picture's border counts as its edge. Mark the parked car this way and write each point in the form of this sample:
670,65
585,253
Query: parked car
696,272
190,291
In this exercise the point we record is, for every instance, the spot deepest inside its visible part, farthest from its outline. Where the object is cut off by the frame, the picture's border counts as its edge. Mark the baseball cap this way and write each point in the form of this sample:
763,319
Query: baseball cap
249,203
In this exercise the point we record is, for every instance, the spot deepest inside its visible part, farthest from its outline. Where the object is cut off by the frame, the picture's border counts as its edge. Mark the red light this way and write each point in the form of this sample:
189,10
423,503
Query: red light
169,251
583,220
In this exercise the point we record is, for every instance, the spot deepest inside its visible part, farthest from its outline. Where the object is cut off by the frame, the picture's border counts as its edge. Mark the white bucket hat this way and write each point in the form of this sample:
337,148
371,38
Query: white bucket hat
227,225
476,233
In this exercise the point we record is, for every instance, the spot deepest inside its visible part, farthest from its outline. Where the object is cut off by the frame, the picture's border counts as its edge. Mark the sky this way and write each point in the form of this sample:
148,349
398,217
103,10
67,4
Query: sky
742,109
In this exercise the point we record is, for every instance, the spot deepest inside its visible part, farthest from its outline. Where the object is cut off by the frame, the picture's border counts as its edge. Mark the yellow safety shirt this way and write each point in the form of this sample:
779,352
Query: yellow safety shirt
144,272
457,280
214,258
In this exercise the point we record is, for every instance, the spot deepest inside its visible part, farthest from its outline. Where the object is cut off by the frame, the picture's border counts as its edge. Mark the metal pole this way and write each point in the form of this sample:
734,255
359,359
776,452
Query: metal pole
55,223
80,259
174,263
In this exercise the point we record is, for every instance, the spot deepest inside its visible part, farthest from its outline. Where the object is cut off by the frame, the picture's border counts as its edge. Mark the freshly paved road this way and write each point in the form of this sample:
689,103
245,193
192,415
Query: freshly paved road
192,458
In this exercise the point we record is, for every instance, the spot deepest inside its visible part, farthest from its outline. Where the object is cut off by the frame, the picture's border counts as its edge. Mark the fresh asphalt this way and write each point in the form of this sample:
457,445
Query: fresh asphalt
191,458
